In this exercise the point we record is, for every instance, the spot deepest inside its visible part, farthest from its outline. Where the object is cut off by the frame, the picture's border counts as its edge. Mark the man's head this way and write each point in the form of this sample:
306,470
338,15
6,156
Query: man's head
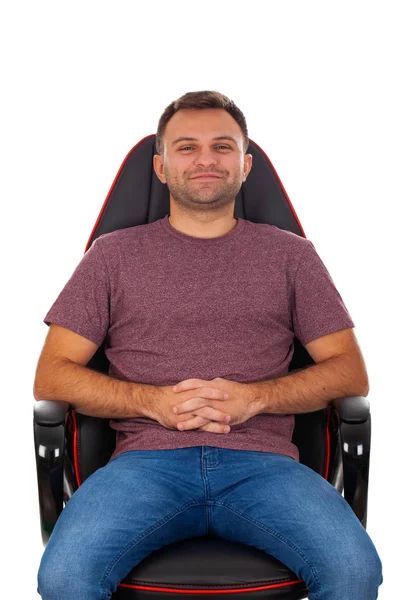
202,133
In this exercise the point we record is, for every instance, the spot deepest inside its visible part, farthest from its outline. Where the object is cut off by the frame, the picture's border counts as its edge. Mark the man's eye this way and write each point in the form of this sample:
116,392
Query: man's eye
219,146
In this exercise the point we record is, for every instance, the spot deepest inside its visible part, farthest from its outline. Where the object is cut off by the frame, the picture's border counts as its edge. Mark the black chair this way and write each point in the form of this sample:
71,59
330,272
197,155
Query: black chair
334,442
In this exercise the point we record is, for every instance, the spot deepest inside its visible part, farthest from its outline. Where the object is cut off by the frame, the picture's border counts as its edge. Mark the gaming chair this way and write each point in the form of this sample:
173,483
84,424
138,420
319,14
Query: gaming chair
334,442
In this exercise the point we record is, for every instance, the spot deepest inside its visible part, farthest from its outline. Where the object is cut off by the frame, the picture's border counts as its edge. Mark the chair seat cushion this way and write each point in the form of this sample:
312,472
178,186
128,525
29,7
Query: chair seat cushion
212,566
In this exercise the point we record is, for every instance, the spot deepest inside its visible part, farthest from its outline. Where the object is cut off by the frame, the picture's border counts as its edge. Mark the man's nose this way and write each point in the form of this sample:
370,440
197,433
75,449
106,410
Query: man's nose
205,158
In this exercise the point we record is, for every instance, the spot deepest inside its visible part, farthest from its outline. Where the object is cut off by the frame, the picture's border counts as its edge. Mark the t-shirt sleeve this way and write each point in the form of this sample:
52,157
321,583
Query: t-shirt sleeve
318,308
83,304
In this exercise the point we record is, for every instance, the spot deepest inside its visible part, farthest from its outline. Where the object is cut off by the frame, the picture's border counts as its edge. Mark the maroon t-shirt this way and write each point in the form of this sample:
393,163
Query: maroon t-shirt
173,307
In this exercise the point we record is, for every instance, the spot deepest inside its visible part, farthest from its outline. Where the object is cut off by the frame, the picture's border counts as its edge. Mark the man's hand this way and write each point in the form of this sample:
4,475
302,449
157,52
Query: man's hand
162,405
215,399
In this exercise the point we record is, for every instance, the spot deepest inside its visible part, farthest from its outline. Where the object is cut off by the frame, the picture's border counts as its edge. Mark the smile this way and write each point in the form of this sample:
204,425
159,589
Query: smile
206,177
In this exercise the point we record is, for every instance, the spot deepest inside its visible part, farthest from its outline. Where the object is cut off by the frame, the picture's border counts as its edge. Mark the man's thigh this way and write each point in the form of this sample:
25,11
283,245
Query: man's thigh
139,502
274,503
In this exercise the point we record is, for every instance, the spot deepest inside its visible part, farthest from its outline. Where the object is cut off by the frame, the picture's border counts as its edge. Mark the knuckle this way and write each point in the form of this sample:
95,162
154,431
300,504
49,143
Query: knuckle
211,427
213,414
221,417
184,417
215,427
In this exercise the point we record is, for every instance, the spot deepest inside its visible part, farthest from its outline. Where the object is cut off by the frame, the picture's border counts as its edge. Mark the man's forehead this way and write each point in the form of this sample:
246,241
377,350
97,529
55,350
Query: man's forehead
207,124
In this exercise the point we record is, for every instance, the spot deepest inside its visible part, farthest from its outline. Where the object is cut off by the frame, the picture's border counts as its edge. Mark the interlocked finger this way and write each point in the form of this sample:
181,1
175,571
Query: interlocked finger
198,422
213,414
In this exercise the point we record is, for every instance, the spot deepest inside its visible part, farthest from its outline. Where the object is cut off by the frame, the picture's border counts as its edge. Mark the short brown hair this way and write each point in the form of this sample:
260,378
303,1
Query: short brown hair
204,99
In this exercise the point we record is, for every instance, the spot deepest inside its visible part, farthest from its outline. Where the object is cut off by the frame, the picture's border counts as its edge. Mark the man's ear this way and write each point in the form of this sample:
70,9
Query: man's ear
158,166
248,163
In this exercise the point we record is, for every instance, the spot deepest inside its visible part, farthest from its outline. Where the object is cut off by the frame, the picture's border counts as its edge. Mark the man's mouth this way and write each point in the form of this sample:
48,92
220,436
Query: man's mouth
205,177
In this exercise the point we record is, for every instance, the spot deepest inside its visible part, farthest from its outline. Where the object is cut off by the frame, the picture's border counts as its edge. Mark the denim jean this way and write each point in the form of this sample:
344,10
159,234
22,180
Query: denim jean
143,500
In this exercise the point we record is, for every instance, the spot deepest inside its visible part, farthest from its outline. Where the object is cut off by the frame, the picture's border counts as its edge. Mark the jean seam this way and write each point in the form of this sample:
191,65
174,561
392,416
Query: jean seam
143,535
276,535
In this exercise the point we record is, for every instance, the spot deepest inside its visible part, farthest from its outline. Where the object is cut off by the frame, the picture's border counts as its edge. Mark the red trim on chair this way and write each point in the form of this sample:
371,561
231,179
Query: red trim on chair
328,444
112,186
76,466
233,591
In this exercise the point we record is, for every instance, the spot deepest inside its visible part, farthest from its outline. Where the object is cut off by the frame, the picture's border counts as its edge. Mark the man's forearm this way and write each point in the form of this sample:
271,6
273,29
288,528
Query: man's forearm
307,390
92,393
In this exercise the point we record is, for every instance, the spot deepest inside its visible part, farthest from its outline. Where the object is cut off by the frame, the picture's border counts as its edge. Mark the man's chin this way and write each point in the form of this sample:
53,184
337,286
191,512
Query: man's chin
204,195
201,200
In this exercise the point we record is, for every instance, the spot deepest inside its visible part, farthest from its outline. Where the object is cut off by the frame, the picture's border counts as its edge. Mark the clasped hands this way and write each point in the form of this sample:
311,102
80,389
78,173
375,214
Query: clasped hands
219,400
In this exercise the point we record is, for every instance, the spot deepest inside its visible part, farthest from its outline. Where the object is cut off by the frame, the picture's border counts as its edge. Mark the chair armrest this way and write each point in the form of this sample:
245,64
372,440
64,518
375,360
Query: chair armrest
352,409
50,413
355,438
49,419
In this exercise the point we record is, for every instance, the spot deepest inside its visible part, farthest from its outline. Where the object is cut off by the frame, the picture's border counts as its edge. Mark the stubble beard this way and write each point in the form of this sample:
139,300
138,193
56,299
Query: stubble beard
203,195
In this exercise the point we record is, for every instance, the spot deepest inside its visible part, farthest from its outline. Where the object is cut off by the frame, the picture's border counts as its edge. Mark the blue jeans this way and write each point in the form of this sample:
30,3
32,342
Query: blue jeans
143,500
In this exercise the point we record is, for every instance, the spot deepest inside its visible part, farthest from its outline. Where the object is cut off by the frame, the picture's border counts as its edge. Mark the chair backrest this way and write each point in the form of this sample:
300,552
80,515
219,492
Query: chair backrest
137,197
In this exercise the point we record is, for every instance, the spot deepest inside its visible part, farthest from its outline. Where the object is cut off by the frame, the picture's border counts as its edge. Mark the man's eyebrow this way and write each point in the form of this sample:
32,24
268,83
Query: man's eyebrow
192,139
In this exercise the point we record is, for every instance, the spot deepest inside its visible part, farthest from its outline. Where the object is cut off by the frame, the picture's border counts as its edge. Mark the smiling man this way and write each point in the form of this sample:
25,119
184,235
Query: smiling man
204,171
198,388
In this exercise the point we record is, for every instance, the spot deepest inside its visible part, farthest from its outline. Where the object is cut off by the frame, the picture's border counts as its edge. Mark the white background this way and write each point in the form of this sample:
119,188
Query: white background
83,82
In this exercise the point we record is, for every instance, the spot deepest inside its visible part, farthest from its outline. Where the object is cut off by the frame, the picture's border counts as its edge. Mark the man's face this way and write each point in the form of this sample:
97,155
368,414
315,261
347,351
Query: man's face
185,160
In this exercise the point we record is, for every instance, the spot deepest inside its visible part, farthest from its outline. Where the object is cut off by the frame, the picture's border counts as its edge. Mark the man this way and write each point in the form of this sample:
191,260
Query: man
199,310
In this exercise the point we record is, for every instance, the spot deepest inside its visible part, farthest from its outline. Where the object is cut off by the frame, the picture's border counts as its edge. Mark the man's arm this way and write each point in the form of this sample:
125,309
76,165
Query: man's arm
340,371
61,375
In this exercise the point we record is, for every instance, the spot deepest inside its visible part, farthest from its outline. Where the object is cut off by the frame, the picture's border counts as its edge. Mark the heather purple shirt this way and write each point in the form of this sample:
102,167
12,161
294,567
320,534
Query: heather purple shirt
174,307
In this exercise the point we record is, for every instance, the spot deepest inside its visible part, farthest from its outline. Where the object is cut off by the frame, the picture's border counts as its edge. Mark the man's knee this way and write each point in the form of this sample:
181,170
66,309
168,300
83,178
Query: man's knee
369,568
53,581
66,579
357,572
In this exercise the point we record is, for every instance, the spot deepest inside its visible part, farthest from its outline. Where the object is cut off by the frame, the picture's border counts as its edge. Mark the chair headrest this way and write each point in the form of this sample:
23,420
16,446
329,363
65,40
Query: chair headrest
137,196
